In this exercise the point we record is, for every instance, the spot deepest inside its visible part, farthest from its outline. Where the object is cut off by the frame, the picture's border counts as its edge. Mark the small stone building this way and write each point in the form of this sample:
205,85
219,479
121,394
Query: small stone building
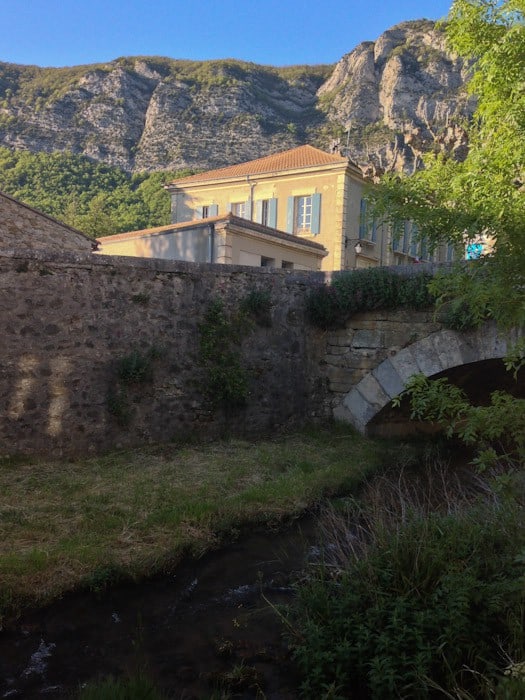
25,228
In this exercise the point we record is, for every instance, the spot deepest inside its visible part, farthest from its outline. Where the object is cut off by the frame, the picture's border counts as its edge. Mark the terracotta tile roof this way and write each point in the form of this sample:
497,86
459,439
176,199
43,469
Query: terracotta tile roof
300,157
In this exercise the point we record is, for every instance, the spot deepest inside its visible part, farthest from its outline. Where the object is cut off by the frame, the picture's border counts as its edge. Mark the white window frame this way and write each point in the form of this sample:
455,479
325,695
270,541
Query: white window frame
239,209
303,213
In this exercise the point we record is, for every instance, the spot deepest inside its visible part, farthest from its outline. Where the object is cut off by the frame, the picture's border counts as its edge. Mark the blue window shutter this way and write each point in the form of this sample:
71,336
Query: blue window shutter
362,219
396,236
272,213
198,211
414,240
248,209
230,206
316,214
258,211
289,215
213,210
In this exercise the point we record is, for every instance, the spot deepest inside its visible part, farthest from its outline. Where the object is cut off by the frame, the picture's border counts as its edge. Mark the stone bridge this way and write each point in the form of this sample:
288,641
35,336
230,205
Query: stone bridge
368,364
68,321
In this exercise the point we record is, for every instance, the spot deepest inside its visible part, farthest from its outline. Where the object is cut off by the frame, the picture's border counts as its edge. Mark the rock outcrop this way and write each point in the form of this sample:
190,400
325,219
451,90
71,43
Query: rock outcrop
400,97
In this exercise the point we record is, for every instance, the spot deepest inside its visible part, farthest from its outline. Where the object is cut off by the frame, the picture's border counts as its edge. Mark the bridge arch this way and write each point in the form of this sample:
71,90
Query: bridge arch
439,351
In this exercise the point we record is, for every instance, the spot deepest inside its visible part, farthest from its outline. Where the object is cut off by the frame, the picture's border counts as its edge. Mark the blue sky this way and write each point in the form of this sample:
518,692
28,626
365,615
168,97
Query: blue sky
272,32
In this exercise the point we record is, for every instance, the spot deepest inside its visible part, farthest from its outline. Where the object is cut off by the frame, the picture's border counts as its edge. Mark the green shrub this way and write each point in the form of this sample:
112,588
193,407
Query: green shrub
464,295
427,604
133,369
366,290
458,315
137,367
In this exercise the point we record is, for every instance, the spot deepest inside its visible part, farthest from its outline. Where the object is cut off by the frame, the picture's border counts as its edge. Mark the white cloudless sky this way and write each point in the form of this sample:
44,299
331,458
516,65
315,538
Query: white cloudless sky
270,32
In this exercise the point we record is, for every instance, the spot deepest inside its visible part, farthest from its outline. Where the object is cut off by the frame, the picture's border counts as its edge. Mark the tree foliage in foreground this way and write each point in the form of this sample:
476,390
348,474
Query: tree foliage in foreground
97,199
483,195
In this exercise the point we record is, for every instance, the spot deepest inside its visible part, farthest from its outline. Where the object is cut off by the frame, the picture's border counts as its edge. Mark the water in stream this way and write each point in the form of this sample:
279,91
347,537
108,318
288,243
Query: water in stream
208,625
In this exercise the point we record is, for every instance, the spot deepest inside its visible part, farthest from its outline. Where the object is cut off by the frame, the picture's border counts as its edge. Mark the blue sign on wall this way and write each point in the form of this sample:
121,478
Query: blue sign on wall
474,251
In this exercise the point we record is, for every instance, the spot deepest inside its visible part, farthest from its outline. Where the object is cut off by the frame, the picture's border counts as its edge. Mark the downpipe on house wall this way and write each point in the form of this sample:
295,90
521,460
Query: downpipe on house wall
211,242
252,186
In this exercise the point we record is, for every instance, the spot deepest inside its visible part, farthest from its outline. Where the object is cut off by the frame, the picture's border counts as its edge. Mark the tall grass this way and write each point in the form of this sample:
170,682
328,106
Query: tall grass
421,588
138,687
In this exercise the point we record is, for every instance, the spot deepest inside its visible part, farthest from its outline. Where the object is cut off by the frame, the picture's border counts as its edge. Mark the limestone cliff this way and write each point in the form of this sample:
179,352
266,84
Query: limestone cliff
398,98
388,101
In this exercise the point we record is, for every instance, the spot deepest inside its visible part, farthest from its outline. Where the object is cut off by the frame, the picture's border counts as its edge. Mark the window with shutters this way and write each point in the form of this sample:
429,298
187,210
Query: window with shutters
207,210
304,214
367,223
239,209
266,212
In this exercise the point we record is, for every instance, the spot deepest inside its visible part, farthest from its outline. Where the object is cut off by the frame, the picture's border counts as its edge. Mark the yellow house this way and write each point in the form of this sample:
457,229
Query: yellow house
298,209
305,192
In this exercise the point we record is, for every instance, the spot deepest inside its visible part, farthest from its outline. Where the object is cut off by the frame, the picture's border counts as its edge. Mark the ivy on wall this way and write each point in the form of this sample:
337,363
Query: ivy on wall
221,336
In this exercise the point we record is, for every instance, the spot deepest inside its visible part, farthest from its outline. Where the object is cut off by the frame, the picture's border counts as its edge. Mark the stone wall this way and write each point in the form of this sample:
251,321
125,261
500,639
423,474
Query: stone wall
66,321
22,227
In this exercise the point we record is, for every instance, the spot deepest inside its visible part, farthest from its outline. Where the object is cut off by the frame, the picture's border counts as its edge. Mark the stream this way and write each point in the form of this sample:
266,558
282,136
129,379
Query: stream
207,627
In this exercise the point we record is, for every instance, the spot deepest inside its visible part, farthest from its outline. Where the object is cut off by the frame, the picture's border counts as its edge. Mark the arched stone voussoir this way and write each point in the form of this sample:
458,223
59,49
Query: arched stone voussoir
436,353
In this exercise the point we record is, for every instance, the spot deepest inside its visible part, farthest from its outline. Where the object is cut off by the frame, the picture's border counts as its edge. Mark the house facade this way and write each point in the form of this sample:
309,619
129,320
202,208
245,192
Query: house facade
299,209
305,192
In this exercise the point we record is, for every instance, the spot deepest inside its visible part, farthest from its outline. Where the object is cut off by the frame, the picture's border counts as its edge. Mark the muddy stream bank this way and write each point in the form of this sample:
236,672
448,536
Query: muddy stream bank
209,625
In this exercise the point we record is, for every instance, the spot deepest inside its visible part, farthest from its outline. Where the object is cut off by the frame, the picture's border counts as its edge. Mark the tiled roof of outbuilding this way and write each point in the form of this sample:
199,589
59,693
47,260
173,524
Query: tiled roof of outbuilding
300,157
200,223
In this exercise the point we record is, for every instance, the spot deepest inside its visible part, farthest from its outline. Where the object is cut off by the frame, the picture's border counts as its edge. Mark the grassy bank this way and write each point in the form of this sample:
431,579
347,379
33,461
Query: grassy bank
65,524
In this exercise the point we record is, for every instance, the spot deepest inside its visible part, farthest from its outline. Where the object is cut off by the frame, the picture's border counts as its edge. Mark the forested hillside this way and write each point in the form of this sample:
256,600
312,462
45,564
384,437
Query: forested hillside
96,198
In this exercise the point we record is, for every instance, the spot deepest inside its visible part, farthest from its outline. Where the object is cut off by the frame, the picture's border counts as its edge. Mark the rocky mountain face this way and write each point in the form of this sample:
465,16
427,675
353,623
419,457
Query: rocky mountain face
385,104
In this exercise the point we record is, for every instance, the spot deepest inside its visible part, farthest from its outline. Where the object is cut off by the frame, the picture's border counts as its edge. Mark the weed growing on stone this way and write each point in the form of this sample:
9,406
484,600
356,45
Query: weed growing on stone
226,380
